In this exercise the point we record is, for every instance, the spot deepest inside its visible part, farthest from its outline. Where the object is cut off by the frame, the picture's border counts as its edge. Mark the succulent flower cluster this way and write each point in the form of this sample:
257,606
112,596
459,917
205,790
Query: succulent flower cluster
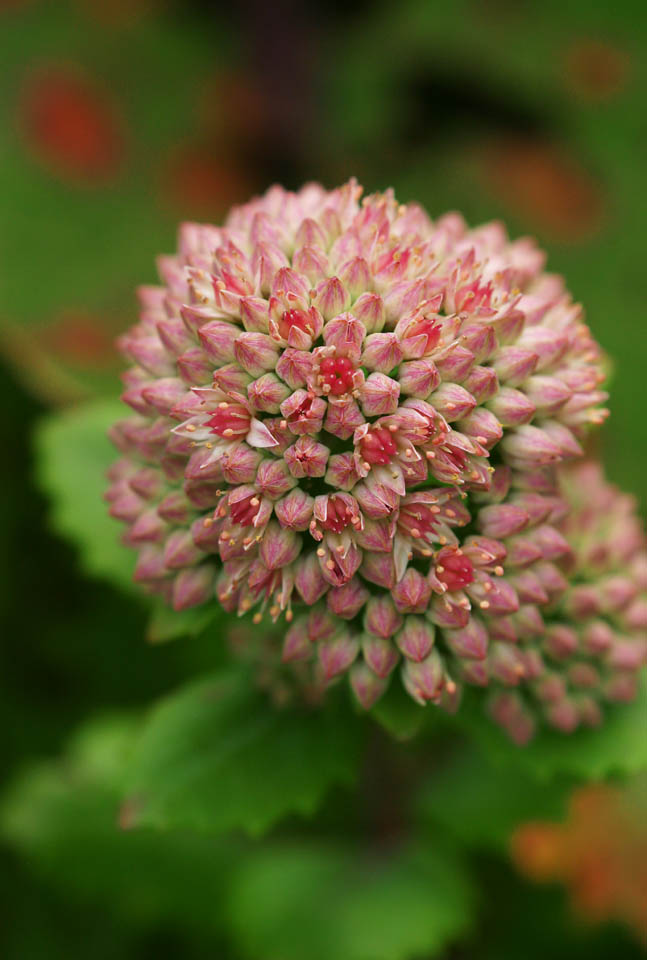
353,417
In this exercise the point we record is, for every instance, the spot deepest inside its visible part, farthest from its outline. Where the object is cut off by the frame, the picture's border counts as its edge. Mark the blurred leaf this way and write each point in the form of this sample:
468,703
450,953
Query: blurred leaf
398,713
217,756
618,746
73,453
480,803
62,816
167,624
331,904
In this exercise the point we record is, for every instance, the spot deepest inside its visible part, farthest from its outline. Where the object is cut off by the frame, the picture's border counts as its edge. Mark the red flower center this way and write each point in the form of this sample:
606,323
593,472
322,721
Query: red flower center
337,374
430,328
243,511
230,420
294,318
303,411
338,515
474,295
453,568
378,446
418,519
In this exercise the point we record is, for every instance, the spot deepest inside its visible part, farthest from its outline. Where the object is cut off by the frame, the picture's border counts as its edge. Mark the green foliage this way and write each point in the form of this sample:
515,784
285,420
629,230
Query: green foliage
480,803
166,624
63,817
326,903
73,453
398,713
216,756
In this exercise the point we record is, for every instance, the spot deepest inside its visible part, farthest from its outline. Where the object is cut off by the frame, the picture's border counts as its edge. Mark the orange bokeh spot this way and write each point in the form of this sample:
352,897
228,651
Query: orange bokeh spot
197,182
546,186
70,124
82,339
599,853
596,71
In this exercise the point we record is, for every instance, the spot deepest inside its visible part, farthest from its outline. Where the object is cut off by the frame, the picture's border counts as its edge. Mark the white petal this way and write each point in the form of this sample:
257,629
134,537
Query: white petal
259,435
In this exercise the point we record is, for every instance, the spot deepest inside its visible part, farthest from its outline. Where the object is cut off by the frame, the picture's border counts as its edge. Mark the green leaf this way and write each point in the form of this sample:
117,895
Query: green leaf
400,716
167,624
325,903
618,746
73,454
62,817
480,803
216,756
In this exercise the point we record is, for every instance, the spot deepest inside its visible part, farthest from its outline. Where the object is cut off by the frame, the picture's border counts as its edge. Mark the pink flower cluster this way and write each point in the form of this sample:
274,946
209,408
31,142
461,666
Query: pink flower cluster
353,416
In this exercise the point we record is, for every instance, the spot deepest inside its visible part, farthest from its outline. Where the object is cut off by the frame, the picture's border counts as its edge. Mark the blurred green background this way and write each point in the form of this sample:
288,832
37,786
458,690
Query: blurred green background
122,117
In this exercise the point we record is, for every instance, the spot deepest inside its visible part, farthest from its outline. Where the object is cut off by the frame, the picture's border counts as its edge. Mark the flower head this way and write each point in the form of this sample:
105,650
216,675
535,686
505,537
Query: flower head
326,391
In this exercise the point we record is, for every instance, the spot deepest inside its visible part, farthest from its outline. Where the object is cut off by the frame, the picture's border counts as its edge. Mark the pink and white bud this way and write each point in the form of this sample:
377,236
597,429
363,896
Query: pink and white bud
194,366
369,310
307,458
295,367
511,407
304,412
149,527
278,546
343,418
454,363
548,394
273,479
194,586
424,681
480,340
379,395
294,511
267,393
367,687
560,641
331,298
412,593
256,353
380,654
175,508
347,601
529,447
470,641
312,262
452,401
339,559
379,568
382,353
297,644
254,314
163,394
501,520
418,378
309,580
342,473
514,364
238,465
218,339
337,654
180,550
415,639
355,276
482,426
346,334
482,383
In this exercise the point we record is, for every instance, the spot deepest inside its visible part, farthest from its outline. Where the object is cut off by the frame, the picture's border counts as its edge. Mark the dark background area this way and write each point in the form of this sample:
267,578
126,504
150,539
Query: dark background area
123,118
